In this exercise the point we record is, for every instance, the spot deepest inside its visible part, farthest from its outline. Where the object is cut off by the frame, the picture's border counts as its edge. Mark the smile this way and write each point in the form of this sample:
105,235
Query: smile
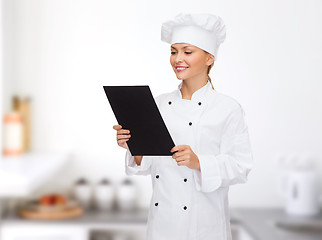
180,69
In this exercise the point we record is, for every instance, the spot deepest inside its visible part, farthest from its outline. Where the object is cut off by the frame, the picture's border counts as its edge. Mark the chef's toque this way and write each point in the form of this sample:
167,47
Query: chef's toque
205,31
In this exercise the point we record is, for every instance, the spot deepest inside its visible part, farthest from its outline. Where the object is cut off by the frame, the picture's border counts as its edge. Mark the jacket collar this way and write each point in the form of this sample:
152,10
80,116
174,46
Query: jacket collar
198,95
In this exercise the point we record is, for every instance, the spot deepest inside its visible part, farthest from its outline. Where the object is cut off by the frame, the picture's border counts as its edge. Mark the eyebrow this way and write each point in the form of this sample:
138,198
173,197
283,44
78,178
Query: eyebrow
183,47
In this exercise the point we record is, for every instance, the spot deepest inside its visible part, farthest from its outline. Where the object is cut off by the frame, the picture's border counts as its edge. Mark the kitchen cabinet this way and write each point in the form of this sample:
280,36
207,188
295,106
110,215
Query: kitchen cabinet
127,231
93,225
43,232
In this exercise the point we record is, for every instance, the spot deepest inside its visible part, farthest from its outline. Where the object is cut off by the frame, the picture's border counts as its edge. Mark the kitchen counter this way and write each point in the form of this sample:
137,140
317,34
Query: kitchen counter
90,217
261,224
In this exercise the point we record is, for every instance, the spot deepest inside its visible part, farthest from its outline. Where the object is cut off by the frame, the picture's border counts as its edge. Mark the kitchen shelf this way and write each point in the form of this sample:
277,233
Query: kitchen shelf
21,175
90,218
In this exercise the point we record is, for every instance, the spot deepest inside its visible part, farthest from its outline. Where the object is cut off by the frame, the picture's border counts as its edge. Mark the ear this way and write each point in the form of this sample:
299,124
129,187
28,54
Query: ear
210,59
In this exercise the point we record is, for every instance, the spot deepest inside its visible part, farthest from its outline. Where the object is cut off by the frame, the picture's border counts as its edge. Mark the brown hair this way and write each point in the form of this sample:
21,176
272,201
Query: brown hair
210,66
208,70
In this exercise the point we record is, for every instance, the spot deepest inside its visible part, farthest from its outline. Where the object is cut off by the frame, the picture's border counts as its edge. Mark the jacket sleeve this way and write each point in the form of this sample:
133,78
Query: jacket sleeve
131,168
233,163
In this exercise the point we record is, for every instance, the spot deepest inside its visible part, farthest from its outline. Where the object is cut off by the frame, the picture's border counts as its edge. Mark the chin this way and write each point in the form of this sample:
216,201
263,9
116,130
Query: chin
180,76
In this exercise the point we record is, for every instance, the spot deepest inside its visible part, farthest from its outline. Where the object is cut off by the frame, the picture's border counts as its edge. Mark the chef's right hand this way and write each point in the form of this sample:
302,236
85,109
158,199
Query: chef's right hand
122,136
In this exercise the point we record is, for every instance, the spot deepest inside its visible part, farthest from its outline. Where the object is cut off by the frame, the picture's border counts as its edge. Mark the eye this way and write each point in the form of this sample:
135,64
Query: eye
172,53
188,52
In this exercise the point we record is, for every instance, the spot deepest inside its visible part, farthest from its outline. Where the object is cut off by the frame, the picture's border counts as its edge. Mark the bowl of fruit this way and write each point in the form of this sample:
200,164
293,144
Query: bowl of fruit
50,206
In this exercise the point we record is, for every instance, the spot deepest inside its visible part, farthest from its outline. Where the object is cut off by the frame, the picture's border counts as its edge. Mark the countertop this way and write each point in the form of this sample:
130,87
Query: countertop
261,224
90,217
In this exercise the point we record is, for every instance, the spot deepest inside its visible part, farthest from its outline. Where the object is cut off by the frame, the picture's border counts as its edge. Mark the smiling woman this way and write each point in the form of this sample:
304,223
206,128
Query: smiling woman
190,62
212,149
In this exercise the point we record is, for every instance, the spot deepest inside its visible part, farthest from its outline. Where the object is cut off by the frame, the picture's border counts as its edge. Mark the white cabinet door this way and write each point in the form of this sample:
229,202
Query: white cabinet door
43,232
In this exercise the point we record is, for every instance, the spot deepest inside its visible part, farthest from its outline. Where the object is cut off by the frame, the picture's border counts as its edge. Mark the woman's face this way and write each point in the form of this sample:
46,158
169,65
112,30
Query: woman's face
189,61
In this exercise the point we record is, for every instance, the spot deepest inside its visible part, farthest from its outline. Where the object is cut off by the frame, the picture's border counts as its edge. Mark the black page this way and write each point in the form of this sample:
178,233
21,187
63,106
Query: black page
135,109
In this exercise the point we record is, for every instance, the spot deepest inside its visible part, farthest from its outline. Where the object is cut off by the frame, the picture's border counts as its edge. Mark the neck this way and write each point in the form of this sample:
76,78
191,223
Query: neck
189,86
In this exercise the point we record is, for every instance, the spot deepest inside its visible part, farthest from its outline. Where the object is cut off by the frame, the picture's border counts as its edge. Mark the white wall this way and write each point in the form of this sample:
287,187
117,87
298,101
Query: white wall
61,52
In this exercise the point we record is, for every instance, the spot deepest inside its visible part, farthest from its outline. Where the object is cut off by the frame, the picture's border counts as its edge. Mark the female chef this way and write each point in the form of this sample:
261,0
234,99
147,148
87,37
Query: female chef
190,188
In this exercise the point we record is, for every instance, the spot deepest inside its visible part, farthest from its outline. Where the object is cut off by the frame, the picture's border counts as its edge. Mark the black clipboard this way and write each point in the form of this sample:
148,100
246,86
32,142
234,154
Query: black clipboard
135,109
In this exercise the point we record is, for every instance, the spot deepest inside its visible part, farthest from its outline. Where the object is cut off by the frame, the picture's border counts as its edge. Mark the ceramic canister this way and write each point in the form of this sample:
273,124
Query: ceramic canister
104,195
126,195
83,193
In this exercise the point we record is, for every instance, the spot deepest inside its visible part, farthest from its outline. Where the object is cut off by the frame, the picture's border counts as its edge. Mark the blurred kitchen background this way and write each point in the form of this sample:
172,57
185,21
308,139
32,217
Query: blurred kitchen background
62,173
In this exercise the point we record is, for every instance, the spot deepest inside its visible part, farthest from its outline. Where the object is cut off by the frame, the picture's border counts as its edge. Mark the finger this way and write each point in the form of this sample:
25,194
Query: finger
122,141
117,127
123,131
175,148
182,163
118,137
180,159
179,148
178,154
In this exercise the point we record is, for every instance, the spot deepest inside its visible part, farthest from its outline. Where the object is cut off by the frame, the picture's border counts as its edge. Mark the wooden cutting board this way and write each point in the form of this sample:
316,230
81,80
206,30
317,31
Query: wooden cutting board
71,212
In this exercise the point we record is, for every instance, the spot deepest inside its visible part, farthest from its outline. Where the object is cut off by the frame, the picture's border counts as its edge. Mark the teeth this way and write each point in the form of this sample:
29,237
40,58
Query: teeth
180,68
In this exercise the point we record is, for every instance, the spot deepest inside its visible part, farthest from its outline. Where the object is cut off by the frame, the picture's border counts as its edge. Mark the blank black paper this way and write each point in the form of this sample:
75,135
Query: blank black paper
135,109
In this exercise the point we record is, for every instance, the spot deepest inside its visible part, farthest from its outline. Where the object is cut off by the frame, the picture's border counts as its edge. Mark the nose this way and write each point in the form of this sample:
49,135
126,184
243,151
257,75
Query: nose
179,57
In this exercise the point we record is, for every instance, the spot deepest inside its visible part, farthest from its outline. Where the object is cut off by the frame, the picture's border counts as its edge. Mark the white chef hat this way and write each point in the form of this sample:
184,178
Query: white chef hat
205,31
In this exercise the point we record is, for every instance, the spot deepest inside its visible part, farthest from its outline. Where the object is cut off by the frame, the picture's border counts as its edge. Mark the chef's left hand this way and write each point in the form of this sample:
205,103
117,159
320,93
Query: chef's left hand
185,156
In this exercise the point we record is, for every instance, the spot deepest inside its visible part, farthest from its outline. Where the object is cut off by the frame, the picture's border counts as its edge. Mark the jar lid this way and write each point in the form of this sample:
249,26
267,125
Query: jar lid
12,117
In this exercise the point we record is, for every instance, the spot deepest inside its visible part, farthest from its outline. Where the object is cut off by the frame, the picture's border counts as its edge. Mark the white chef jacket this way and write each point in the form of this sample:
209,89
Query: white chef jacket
190,204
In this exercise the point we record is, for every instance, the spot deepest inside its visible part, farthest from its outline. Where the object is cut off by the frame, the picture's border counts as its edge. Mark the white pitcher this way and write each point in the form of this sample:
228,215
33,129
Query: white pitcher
299,187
